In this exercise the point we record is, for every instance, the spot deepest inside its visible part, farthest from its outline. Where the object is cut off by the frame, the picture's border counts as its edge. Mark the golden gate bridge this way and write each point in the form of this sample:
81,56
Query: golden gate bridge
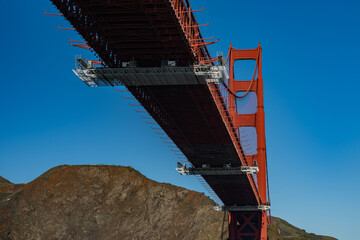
154,48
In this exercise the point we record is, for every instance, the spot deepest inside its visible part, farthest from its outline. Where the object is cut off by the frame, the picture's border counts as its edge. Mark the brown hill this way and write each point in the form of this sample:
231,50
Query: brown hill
3,180
114,202
106,202
282,230
7,188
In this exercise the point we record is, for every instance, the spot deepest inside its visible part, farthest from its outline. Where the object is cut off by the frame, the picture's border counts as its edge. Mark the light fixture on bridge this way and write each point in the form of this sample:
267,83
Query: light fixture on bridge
168,63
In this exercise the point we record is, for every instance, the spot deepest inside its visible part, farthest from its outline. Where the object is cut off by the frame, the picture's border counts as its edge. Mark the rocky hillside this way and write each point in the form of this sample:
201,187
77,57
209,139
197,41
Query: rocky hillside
106,202
113,202
3,180
7,188
282,230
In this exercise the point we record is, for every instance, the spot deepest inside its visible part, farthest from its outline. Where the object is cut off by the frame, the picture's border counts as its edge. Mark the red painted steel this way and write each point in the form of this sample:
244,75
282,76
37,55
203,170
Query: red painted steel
201,120
247,226
256,120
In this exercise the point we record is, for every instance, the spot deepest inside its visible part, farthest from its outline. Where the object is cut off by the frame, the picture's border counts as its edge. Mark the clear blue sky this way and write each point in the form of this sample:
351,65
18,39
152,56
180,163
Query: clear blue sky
310,69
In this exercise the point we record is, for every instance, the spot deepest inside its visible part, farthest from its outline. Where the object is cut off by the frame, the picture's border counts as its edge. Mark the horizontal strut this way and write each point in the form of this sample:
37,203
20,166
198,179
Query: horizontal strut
206,170
131,75
242,208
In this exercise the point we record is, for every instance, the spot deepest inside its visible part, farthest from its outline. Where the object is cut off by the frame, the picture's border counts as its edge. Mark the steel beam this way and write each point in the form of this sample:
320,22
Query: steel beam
210,171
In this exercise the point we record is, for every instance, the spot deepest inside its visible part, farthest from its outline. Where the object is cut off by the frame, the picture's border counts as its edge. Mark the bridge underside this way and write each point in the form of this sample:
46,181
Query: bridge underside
149,31
192,120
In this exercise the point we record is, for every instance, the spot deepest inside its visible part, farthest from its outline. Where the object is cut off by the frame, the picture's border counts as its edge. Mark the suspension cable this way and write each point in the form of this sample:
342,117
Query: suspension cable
252,80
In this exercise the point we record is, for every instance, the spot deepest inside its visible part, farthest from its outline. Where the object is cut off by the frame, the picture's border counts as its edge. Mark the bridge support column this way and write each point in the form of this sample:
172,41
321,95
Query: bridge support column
246,225
250,225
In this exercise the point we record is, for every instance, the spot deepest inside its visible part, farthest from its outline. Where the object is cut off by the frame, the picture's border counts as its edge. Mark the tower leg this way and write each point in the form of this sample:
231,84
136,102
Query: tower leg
247,225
